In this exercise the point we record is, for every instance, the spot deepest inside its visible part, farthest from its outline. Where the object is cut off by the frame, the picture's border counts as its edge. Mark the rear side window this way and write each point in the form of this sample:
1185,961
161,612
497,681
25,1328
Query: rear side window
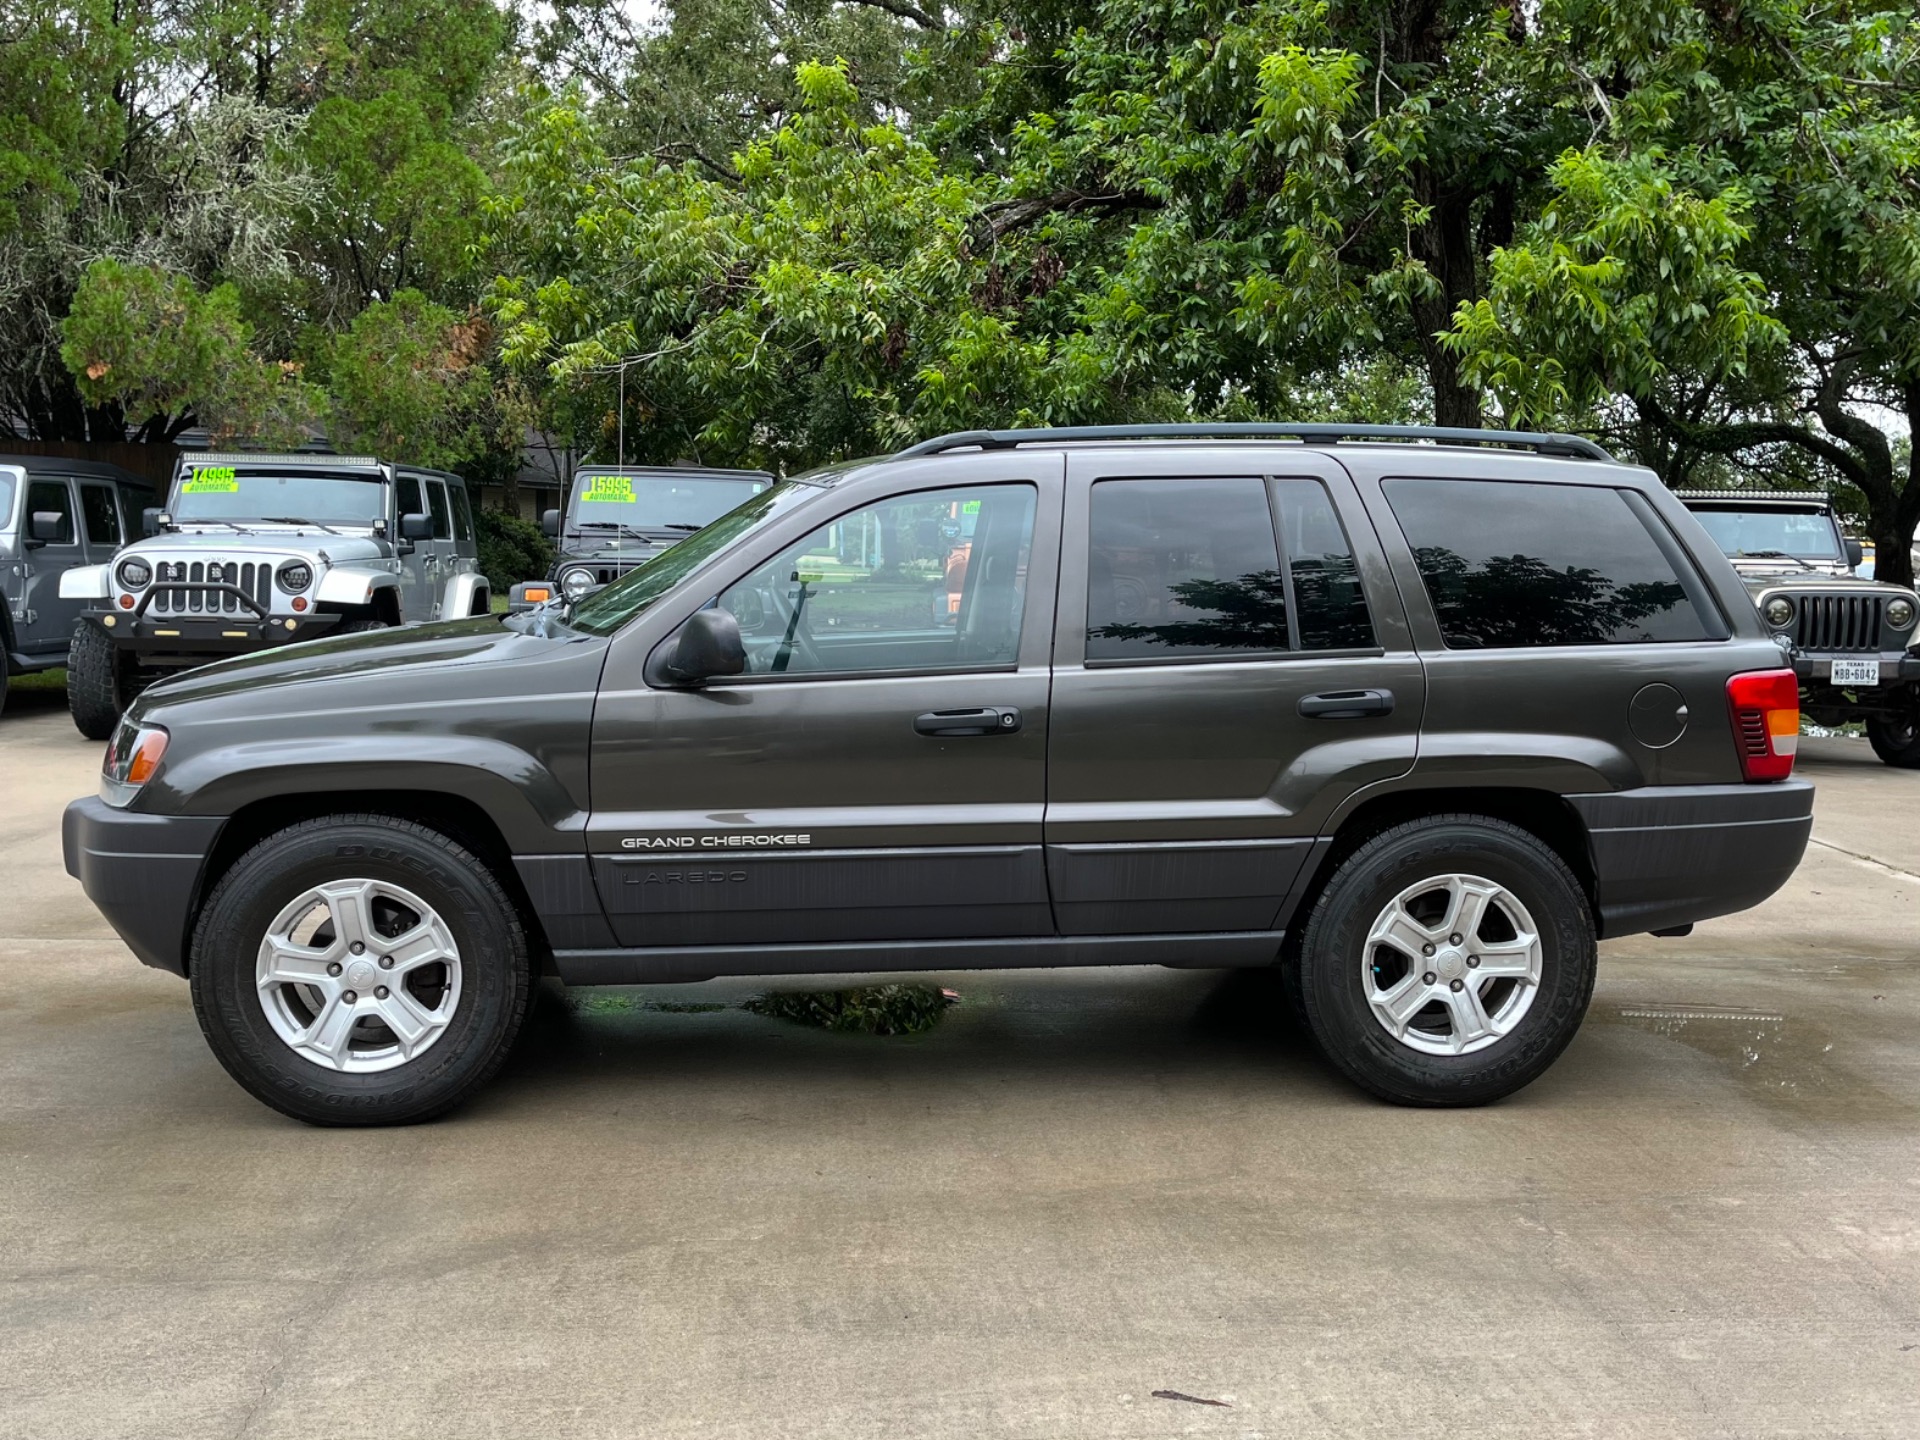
102,514
462,516
1329,608
442,517
1183,568
1516,563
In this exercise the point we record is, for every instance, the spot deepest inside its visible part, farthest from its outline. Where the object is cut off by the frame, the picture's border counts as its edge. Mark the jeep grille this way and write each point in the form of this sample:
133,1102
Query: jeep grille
1839,622
256,580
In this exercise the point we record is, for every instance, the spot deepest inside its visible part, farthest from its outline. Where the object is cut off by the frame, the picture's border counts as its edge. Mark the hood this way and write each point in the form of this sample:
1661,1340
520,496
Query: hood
368,670
581,551
1802,582
344,549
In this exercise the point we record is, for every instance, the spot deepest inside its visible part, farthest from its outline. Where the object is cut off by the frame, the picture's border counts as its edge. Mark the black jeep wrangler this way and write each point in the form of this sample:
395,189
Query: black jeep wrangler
1415,715
618,516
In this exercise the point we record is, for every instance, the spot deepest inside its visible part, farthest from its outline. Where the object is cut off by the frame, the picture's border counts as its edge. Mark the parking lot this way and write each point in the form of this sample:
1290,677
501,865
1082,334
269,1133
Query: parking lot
1081,1188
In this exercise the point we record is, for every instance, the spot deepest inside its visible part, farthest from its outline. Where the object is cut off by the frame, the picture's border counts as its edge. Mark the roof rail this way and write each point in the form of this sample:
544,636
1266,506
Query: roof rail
1575,447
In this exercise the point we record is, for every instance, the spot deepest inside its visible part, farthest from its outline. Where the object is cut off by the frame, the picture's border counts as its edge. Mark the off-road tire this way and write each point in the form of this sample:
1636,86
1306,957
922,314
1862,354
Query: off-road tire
1332,948
1896,740
97,688
494,958
356,627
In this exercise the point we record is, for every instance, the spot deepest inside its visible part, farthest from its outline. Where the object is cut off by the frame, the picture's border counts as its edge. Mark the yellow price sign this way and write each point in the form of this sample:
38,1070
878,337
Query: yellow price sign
608,489
212,480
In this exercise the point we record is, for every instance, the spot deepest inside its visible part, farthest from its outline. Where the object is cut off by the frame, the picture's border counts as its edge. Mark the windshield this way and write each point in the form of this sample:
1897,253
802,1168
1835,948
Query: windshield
657,502
1802,534
215,493
605,611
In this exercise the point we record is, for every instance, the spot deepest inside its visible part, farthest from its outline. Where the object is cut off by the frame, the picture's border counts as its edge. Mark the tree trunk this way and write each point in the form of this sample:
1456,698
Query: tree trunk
1893,525
1445,245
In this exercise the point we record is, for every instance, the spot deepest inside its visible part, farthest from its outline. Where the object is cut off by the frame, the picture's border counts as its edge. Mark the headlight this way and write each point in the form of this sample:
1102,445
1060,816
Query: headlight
294,576
576,582
1779,611
133,755
134,574
1899,613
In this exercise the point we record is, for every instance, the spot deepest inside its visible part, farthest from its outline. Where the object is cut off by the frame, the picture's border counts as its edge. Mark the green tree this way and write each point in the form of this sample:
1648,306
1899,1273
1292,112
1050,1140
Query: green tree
409,378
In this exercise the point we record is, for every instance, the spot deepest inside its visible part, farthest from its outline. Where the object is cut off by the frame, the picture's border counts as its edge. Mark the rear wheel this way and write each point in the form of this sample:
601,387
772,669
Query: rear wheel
98,681
1896,738
360,970
1449,961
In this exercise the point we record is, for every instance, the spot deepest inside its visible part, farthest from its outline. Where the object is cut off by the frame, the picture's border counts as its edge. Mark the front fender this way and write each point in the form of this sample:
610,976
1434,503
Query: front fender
353,585
86,582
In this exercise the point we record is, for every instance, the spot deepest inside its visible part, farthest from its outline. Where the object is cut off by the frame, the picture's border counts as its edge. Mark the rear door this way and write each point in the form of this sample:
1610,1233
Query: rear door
879,772
440,552
1231,664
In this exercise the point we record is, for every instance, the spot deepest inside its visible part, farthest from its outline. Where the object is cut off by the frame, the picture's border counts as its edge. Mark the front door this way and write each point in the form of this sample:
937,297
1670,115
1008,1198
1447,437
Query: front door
1232,664
418,558
879,772
48,628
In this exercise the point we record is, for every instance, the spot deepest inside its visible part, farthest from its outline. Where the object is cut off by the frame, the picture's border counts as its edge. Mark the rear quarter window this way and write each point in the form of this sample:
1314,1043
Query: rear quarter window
1518,563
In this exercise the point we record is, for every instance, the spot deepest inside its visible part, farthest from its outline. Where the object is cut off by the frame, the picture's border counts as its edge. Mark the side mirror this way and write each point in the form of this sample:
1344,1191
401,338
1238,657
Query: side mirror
152,520
708,644
416,527
550,524
1856,554
48,527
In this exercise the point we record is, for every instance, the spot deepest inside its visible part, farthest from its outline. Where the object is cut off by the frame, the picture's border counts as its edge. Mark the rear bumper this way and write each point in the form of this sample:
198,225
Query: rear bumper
141,872
1669,855
162,637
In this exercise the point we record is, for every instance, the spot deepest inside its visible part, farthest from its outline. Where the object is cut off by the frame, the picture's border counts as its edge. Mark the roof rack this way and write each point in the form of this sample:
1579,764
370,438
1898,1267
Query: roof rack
1575,447
197,458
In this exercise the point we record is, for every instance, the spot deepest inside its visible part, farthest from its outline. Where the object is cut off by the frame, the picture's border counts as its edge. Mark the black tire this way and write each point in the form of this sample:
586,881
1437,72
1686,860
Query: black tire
1896,739
97,688
355,627
484,924
1334,965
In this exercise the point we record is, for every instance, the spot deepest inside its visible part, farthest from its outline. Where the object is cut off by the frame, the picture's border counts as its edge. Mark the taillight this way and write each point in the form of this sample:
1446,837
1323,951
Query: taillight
1765,707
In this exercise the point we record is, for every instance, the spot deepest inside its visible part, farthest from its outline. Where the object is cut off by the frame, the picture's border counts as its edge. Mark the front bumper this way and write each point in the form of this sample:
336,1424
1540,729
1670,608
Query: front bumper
1668,855
1895,666
165,636
141,871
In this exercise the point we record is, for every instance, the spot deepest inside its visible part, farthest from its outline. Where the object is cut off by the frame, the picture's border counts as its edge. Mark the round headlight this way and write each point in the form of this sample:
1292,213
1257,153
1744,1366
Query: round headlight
1779,611
134,574
576,582
294,576
1899,613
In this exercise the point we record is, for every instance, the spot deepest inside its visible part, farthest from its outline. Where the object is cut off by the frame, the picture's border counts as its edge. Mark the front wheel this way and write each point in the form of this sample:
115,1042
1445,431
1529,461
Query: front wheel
1896,738
360,970
1449,961
98,688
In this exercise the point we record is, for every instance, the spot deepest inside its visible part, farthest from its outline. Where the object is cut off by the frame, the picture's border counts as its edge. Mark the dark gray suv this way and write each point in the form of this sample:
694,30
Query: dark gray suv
1415,716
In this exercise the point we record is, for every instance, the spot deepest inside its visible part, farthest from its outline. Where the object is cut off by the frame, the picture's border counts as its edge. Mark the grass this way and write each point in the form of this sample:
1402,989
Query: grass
40,680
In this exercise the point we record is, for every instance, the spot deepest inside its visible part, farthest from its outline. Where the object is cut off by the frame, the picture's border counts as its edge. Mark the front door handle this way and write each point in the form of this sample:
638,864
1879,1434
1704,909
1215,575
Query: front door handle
983,720
1347,704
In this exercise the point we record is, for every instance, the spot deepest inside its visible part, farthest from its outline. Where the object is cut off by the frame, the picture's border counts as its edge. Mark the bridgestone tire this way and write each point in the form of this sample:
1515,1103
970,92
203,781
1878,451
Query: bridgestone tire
97,689
486,927
1896,741
1333,945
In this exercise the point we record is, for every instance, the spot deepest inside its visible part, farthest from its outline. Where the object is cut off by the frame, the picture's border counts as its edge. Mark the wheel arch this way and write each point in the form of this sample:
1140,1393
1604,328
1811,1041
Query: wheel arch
1544,814
461,819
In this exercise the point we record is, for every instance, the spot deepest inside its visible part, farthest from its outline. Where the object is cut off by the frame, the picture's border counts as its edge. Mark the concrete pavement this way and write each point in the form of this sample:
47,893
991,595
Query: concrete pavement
1081,1188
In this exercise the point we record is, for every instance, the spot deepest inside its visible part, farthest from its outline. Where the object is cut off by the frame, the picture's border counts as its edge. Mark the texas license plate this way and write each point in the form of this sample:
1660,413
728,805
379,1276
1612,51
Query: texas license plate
1856,672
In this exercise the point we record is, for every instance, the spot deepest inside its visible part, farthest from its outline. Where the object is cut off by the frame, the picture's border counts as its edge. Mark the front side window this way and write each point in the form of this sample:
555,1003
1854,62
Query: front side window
215,494
51,497
1182,569
930,581
410,501
1516,563
102,514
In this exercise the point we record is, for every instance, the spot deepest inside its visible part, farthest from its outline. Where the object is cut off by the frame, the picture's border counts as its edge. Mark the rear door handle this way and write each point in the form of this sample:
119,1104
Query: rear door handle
984,720
1347,704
